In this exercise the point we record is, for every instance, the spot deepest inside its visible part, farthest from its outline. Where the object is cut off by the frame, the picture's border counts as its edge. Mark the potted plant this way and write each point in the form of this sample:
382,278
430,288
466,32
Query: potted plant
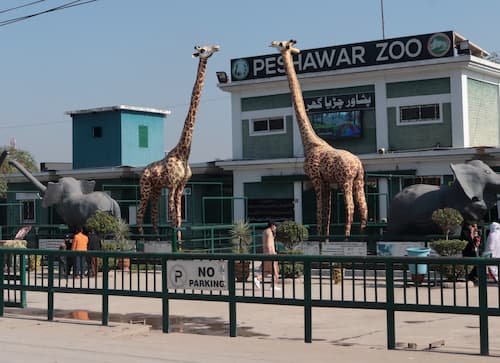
448,219
241,239
290,233
105,224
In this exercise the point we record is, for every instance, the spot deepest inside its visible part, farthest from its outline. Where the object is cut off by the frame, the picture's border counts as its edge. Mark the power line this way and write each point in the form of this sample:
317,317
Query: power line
60,7
32,125
21,6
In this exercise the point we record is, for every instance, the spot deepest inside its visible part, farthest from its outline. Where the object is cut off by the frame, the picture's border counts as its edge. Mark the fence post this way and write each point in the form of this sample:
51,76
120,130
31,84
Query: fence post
2,276
50,286
483,309
307,302
105,292
164,293
232,297
389,283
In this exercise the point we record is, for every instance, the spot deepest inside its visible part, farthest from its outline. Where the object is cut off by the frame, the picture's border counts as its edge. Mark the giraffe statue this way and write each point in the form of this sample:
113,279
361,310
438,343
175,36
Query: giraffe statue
173,171
323,164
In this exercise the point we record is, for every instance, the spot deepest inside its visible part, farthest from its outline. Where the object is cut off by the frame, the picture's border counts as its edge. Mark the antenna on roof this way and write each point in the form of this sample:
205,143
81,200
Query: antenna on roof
382,12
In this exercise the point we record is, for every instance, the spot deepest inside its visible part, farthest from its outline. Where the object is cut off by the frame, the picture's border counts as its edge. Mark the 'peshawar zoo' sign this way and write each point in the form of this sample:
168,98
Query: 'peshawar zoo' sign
386,51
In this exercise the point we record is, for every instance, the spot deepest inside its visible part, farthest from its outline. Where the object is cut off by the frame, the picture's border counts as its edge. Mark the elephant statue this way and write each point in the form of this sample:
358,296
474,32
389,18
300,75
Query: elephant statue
74,200
473,193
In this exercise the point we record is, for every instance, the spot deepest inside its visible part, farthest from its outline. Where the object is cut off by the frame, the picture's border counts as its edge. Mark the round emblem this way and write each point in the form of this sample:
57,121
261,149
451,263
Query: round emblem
439,44
240,69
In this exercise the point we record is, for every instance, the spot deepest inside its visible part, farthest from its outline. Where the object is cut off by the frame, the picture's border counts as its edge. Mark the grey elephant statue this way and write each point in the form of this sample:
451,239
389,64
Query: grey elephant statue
74,200
473,193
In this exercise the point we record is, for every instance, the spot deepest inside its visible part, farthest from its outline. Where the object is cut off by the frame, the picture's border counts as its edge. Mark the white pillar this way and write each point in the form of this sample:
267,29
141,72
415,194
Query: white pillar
383,190
297,201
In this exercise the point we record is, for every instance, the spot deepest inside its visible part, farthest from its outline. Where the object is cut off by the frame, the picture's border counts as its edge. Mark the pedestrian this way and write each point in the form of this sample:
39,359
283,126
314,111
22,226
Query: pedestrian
268,248
492,248
80,243
470,233
94,245
65,261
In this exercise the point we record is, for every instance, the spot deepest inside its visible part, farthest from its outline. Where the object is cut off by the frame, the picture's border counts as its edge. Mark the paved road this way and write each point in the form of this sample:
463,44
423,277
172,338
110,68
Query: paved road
266,334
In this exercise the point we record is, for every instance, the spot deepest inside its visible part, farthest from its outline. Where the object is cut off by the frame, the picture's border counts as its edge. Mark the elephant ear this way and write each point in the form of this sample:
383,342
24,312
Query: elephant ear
87,186
472,177
53,194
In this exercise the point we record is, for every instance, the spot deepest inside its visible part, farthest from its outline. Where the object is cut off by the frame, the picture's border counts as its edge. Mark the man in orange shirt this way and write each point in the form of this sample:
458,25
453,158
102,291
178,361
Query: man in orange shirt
80,243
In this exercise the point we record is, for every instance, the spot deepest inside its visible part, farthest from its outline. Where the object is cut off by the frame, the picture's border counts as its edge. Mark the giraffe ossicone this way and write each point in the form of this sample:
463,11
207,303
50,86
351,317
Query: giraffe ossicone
323,164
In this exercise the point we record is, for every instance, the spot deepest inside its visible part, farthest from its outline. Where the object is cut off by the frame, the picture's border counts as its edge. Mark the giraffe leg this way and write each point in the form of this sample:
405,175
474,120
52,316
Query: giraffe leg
359,194
145,192
154,209
319,204
327,208
178,206
171,207
349,206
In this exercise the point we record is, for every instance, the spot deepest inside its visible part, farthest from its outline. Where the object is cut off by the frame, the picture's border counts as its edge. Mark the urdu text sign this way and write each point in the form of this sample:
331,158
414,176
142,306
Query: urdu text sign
197,274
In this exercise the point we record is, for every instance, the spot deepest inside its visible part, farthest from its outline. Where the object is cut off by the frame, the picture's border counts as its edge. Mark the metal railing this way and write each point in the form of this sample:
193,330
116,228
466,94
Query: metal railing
369,282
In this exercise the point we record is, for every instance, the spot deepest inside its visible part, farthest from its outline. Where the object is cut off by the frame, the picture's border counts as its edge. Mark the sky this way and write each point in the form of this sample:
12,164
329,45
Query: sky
138,53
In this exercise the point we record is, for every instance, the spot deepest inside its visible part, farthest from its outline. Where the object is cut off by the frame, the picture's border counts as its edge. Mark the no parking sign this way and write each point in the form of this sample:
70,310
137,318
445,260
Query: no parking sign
197,274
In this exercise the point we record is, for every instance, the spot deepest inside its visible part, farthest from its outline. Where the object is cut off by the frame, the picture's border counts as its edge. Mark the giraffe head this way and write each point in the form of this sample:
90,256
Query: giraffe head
284,46
206,51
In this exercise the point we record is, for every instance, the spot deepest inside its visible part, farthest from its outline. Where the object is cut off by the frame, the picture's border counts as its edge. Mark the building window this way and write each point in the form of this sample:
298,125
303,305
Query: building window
419,114
275,125
97,131
28,211
143,136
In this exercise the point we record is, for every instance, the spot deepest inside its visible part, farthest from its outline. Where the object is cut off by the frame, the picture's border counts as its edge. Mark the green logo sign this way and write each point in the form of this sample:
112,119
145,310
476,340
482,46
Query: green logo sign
240,69
439,44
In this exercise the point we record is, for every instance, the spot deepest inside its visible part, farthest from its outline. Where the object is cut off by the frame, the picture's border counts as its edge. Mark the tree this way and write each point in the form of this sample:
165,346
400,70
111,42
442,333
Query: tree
23,157
447,219
290,233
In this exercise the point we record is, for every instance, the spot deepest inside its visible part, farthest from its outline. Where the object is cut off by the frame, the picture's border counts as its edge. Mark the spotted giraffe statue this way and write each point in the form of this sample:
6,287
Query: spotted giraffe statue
173,171
324,164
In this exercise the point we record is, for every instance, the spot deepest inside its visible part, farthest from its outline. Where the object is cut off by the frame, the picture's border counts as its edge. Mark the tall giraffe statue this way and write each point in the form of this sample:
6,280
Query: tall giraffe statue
324,164
173,171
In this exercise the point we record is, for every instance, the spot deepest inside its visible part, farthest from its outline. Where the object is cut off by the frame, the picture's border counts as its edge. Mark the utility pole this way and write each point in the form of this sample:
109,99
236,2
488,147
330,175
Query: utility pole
382,11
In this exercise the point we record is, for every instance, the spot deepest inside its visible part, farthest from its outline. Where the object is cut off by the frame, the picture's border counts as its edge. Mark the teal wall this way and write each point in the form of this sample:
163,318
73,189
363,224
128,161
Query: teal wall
119,143
268,146
89,151
422,136
134,155
260,148
423,87
483,113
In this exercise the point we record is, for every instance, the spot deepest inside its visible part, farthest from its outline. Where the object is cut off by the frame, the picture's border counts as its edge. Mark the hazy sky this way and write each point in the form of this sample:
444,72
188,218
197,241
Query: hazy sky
138,53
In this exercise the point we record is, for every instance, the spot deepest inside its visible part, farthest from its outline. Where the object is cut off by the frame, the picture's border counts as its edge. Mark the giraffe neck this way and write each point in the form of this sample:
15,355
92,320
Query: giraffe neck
183,147
309,137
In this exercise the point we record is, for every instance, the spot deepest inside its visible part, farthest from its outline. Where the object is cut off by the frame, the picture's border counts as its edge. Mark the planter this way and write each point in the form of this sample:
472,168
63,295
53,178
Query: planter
241,270
420,269
123,264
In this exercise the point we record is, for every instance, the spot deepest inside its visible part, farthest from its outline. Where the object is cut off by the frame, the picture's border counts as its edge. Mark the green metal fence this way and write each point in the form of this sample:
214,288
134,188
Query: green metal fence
382,283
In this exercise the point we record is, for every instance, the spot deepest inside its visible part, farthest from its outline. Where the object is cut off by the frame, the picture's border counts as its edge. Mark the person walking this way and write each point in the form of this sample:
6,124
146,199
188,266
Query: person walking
94,245
492,248
80,243
470,233
268,248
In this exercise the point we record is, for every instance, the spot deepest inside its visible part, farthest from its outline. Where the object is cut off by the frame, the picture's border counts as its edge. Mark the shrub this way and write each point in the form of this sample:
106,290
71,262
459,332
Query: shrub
447,219
291,233
290,269
452,247
102,223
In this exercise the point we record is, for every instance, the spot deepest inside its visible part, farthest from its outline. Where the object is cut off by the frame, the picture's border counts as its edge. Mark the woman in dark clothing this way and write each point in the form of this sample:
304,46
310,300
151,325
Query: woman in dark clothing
470,233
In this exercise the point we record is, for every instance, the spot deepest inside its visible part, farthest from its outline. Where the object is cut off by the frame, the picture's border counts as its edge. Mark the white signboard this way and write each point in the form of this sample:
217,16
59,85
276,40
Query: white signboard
344,249
394,248
197,274
308,248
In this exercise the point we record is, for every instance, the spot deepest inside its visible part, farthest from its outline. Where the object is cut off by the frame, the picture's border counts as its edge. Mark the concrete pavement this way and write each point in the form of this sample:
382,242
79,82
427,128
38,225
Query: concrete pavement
266,334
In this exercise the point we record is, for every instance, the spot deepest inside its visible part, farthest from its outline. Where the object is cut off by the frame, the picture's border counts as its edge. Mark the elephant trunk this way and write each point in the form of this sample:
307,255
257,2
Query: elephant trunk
29,176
